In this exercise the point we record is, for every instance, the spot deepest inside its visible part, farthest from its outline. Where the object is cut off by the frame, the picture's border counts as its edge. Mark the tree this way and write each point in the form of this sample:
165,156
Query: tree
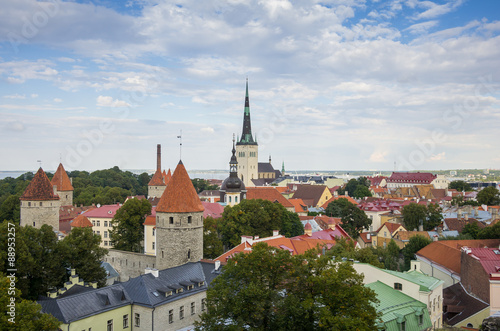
361,192
460,186
414,215
270,289
354,220
415,244
212,245
490,232
391,259
358,188
10,209
488,196
201,185
471,229
81,251
347,249
28,315
256,218
434,216
128,228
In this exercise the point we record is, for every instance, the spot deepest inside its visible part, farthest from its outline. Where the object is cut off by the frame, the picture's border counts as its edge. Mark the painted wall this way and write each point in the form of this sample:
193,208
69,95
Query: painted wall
100,321
248,166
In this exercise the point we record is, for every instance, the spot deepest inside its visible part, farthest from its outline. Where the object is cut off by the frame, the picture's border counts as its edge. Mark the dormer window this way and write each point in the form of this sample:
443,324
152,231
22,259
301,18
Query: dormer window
398,286
179,290
190,287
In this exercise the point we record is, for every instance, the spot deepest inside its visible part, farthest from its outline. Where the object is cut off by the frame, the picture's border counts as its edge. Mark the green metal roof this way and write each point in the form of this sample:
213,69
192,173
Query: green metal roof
397,307
427,283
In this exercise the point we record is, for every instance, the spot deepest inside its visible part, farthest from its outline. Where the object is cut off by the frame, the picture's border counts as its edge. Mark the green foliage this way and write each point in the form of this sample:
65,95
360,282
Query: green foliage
10,208
430,216
471,229
43,261
354,220
128,228
347,249
459,201
212,244
201,185
415,244
488,196
391,258
460,186
269,289
490,232
28,315
257,218
358,188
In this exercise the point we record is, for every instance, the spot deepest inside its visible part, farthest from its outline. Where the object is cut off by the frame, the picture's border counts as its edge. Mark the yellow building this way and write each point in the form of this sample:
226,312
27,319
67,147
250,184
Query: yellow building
386,233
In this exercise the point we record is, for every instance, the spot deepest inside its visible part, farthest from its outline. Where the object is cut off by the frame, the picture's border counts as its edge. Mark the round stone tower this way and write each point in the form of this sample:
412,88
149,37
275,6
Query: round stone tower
179,222
39,203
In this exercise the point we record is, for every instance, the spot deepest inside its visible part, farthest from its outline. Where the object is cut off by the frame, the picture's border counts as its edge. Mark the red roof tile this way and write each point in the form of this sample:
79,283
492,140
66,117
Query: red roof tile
105,211
411,177
157,179
300,206
151,219
212,209
168,177
61,179
39,188
180,195
391,227
268,193
81,221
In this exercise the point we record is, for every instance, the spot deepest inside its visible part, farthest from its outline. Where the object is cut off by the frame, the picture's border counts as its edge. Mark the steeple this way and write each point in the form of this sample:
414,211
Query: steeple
233,164
283,168
246,135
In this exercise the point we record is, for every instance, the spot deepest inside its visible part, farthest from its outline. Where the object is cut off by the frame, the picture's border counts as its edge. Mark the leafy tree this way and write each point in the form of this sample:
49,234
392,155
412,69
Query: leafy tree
347,249
354,220
81,251
471,229
28,315
391,260
212,244
358,188
415,214
270,289
128,228
202,184
361,192
415,244
434,216
257,218
488,196
490,232
460,186
10,208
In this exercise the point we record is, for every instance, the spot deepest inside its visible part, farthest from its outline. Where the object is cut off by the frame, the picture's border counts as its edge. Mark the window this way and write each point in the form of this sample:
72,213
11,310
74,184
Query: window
137,319
402,326
203,304
181,312
190,219
398,286
236,199
193,310
105,223
34,224
420,319
98,223
170,316
125,321
229,199
99,233
153,244
154,232
171,220
40,203
105,243
110,325
29,203
189,256
93,223
105,234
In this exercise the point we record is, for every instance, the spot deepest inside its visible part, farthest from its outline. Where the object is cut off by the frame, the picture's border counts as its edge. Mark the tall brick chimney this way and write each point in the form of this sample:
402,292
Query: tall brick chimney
158,157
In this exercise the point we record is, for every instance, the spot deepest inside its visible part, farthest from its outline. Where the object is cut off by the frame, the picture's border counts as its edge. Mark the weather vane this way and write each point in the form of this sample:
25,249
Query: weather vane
39,163
180,145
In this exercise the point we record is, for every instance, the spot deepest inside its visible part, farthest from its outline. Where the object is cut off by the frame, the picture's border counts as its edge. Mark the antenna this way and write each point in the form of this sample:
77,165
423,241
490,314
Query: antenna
60,157
180,145
39,163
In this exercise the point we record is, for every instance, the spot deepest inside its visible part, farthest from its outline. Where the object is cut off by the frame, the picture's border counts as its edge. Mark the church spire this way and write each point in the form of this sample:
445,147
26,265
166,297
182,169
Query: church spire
246,136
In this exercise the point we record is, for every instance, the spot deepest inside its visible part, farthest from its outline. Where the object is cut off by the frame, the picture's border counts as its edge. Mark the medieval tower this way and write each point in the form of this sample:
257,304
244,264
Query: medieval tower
157,185
39,203
247,150
179,222
232,190
64,188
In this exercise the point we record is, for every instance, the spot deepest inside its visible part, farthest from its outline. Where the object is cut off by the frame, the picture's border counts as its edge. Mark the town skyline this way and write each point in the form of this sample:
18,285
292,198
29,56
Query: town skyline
333,85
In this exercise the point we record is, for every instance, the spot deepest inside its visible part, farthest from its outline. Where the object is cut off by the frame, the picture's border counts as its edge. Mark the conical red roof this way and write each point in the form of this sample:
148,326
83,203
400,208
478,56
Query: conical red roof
39,188
180,195
157,179
61,179
81,221
168,177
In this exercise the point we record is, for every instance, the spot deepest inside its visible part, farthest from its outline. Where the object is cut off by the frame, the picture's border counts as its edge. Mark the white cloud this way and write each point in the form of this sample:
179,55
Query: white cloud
15,96
378,156
106,101
438,157
208,130
421,28
57,100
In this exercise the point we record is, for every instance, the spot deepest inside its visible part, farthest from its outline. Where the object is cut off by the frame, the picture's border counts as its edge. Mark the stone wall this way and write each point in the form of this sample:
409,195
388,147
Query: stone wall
65,198
179,239
156,191
474,279
37,213
128,264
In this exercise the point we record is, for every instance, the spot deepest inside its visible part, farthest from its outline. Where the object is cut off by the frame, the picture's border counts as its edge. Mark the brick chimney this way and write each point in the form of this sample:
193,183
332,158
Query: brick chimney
158,157
308,229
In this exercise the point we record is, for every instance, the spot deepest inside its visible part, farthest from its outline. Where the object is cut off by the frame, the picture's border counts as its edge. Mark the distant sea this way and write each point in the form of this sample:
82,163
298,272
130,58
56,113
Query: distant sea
13,174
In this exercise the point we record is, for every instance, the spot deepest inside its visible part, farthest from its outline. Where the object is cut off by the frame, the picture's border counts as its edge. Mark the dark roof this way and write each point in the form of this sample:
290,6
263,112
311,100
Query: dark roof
265,167
246,135
39,188
310,192
459,224
141,289
80,304
411,177
459,305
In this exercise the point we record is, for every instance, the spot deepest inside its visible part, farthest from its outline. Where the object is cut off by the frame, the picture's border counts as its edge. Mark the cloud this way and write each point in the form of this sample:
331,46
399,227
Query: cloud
421,28
15,96
378,156
106,101
438,157
207,130
433,10
57,100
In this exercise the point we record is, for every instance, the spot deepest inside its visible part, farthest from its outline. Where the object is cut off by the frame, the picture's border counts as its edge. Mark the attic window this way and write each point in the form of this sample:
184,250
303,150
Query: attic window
398,286
179,290
190,287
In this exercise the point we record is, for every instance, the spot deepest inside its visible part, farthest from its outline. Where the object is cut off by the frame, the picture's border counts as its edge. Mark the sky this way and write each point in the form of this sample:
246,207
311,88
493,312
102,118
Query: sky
333,84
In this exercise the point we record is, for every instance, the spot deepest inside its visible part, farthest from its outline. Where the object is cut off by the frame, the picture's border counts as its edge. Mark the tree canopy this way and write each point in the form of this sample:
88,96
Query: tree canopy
430,216
128,229
415,244
212,244
460,186
354,220
358,188
201,185
257,218
489,196
269,289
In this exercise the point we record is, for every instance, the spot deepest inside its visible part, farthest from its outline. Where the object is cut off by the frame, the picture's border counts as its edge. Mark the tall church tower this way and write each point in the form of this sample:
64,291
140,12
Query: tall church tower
247,150
232,190
63,185
179,222
39,203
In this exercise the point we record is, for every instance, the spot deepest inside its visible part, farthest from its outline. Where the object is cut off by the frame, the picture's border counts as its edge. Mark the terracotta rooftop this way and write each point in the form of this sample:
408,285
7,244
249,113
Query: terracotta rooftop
104,211
268,193
406,235
391,227
299,205
61,179
310,192
364,237
180,195
490,260
411,177
157,179
212,209
459,224
81,221
151,219
167,176
351,200
39,188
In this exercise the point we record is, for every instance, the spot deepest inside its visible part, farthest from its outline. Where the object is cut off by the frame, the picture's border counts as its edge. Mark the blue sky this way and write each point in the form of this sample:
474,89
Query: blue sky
345,84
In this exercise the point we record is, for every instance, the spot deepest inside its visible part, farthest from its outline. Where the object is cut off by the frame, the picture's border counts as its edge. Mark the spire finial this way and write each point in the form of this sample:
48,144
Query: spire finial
180,145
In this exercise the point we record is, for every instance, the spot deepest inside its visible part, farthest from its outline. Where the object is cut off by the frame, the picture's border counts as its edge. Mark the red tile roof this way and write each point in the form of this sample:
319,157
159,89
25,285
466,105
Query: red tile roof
105,211
391,227
212,209
376,180
364,237
61,179
300,206
39,188
81,221
268,193
411,177
490,260
459,224
351,200
151,219
180,195
310,192
157,179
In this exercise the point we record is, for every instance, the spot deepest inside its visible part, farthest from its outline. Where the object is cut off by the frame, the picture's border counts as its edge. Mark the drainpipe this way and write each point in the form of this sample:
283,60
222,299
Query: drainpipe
153,319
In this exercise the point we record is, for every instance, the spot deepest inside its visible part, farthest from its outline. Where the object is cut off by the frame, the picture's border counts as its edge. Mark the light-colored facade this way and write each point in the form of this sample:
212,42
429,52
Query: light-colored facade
101,219
36,213
248,164
385,234
440,182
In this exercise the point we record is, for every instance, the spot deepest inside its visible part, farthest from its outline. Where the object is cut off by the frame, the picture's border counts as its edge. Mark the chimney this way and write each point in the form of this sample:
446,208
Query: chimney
158,157
71,180
276,233
217,265
368,236
466,217
73,272
476,211
435,238
152,271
